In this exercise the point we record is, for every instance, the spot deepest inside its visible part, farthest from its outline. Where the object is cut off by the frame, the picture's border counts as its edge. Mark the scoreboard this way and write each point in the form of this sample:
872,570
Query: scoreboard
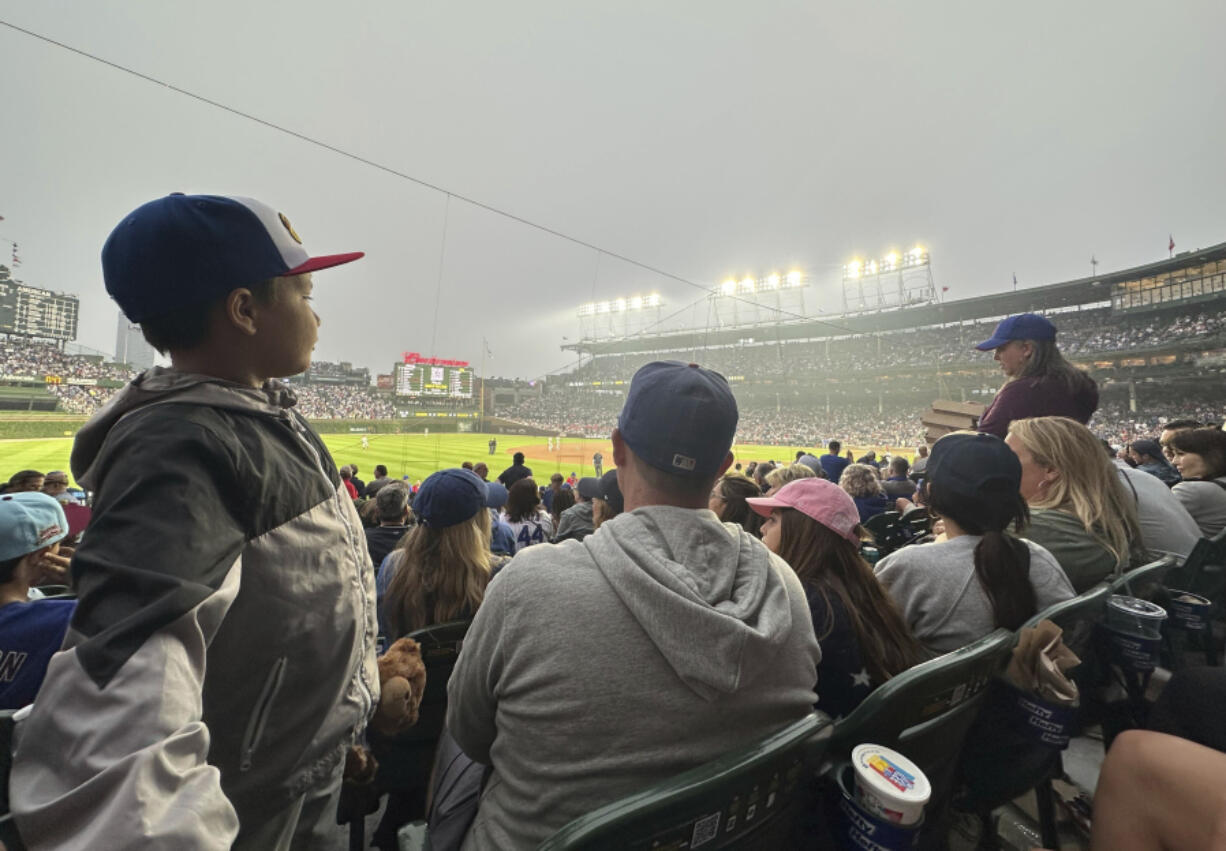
37,313
430,380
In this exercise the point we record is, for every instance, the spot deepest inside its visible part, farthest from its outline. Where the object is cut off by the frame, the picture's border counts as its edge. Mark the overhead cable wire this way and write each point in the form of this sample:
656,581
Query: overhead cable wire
490,208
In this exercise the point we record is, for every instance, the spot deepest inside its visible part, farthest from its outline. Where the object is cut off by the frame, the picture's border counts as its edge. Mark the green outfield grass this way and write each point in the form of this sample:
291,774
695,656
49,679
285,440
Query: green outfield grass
414,455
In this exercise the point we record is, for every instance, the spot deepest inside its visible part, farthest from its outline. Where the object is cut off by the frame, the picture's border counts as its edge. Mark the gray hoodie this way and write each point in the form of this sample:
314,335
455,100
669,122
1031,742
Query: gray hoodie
593,669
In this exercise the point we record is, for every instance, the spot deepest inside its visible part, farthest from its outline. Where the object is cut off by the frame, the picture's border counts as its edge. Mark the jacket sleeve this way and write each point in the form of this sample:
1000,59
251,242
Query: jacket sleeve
1001,411
114,753
472,692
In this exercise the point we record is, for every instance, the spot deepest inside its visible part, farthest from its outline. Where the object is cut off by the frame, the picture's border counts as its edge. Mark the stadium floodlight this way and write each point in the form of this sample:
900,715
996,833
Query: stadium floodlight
624,304
890,261
747,285
772,282
872,267
728,287
852,269
795,279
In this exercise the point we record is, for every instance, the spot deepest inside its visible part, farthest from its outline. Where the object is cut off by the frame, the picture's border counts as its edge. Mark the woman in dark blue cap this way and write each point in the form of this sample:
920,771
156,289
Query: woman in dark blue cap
980,577
439,570
1039,382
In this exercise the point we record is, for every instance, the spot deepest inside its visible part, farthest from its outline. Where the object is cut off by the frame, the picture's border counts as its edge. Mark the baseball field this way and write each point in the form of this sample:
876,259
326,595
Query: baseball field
412,455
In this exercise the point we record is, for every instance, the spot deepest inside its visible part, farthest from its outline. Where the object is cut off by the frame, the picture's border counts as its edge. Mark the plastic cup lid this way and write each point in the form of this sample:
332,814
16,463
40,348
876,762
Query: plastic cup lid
1137,608
890,775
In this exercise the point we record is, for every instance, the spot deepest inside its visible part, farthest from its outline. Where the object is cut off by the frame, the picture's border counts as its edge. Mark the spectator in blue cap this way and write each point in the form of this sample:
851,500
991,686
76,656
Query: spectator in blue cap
1039,382
31,528
440,569
595,668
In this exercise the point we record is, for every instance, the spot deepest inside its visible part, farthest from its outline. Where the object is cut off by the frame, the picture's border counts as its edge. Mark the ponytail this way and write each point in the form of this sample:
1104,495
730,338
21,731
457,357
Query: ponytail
1002,562
1002,566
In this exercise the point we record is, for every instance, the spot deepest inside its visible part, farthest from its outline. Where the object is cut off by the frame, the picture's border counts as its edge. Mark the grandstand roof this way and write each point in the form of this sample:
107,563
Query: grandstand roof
1081,291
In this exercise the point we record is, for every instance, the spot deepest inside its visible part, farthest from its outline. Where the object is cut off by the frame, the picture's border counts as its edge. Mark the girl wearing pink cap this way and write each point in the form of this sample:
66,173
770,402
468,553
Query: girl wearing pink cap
814,525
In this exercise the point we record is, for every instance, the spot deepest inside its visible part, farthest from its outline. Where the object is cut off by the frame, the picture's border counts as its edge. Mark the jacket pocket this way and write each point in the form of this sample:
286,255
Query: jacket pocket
259,717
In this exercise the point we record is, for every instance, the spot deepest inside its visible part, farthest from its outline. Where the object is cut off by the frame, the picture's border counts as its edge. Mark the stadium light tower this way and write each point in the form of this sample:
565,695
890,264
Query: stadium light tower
898,279
752,299
618,317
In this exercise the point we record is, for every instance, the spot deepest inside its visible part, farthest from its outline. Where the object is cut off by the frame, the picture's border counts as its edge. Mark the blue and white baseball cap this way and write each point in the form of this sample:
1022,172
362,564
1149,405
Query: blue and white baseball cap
184,250
29,521
1022,326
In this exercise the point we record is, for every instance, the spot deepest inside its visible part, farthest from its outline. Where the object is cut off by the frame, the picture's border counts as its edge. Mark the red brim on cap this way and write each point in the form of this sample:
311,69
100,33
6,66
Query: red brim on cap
326,261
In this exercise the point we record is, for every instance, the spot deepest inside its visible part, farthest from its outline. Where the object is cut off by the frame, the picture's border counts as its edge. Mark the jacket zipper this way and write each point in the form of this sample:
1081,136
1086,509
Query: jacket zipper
300,432
259,718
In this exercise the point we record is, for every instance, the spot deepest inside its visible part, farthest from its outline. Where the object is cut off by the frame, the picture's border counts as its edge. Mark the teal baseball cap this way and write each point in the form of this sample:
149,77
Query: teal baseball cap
28,522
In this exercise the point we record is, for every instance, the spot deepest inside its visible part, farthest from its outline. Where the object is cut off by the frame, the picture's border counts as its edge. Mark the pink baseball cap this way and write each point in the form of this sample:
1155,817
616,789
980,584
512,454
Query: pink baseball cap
819,499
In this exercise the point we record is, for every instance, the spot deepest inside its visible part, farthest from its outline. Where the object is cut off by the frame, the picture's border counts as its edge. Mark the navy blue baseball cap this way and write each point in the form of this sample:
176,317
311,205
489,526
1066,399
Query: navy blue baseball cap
184,250
679,418
974,466
611,492
495,494
449,497
1023,326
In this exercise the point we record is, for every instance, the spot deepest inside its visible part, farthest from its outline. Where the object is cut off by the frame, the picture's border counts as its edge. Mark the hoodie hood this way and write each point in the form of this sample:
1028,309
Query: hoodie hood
160,385
710,596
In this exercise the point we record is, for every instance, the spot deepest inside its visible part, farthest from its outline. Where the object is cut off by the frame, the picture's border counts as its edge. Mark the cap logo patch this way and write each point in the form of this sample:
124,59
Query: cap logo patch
684,462
49,533
289,228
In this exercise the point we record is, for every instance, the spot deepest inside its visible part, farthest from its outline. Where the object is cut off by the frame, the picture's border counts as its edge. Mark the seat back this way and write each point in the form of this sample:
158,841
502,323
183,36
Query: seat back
1202,572
754,797
1144,581
440,648
1077,618
925,712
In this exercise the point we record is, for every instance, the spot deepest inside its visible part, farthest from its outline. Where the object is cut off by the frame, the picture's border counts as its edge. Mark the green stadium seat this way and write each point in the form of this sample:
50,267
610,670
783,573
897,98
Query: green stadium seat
753,798
1002,760
925,714
405,760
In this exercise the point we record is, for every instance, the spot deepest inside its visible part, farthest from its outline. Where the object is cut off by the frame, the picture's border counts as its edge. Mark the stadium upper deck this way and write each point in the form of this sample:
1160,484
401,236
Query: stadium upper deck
1192,278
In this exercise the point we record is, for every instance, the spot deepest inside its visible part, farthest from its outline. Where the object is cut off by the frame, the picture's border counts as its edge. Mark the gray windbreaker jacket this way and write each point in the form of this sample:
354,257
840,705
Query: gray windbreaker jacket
663,640
221,657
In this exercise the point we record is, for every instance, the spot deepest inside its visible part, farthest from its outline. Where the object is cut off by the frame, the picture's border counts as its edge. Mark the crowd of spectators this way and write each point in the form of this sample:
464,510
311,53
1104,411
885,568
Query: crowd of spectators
39,360
1082,333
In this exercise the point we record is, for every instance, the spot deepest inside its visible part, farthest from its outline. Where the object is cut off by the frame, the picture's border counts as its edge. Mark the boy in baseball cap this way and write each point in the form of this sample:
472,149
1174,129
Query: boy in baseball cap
31,528
227,618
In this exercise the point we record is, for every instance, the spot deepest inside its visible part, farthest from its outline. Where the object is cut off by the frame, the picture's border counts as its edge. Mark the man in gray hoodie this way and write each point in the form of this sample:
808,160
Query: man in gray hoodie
656,644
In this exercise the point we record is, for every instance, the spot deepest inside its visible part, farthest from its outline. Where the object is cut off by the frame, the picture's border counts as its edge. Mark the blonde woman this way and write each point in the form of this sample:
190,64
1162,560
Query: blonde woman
781,476
1079,509
439,571
863,484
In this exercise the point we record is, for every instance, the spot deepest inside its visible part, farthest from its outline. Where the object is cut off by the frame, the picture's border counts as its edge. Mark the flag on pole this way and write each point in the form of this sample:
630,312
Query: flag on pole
1171,243
1015,280
944,289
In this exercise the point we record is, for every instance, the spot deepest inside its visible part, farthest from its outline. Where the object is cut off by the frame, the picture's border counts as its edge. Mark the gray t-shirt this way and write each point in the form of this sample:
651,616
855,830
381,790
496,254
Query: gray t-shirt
1166,526
1206,502
940,595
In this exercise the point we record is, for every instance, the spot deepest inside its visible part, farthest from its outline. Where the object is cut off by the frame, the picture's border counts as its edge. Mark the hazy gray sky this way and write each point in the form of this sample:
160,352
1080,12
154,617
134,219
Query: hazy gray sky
706,138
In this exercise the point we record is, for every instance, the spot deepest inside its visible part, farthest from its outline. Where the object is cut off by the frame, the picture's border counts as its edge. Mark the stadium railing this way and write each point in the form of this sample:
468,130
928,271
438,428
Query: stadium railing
755,797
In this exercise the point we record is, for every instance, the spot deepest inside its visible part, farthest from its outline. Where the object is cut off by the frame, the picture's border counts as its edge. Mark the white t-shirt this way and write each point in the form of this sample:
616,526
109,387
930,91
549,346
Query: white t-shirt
537,530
